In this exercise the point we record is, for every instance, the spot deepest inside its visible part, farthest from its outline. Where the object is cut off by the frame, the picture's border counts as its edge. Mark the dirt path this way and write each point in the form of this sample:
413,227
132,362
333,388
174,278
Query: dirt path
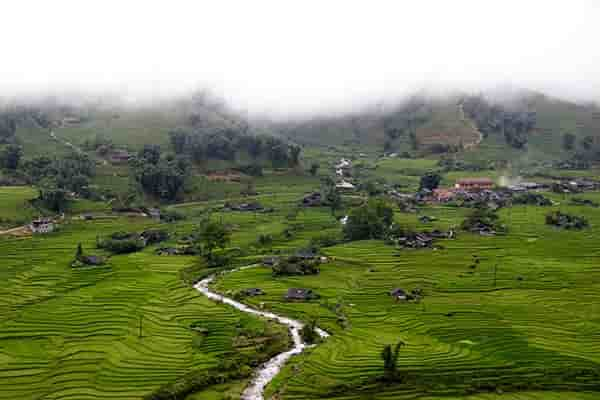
463,117
66,143
18,231
266,372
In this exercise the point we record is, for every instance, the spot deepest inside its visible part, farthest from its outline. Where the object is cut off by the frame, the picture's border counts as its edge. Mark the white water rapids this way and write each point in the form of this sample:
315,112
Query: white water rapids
271,368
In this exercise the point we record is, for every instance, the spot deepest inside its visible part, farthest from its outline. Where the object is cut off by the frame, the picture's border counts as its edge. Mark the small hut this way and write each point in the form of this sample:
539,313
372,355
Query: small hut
398,294
301,294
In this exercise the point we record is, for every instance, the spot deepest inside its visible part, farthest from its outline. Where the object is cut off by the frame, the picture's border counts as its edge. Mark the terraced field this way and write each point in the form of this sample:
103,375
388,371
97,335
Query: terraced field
75,334
14,202
524,315
499,313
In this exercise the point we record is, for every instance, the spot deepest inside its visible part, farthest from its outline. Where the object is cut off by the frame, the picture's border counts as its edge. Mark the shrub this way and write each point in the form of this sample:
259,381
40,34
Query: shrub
309,333
171,216
153,236
482,219
532,199
566,221
123,246
294,265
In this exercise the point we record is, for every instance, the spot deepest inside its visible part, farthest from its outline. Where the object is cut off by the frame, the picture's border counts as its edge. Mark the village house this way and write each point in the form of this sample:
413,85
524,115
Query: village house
312,200
66,121
270,261
154,213
300,294
398,294
41,225
251,292
345,186
119,157
474,184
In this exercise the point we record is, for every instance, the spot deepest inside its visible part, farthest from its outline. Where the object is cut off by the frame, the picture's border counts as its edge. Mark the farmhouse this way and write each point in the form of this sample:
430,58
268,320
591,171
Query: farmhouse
42,225
345,186
398,294
300,294
270,261
154,213
474,184
92,260
119,157
312,200
252,292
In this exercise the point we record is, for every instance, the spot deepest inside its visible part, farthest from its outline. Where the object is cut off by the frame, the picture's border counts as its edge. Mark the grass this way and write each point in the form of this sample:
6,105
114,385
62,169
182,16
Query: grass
15,208
536,314
524,314
74,334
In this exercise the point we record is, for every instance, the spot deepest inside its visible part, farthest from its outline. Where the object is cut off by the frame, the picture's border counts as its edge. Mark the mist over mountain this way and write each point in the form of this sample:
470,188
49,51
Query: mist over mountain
298,59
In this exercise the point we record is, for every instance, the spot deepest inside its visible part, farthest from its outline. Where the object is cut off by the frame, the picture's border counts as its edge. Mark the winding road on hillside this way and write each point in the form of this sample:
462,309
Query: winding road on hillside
463,117
266,372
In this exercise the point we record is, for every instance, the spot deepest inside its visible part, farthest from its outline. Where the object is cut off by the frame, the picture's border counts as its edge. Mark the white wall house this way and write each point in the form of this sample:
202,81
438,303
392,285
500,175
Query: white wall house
42,225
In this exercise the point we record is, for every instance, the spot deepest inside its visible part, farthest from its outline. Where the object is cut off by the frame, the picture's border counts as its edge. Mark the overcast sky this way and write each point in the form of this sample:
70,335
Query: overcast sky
303,55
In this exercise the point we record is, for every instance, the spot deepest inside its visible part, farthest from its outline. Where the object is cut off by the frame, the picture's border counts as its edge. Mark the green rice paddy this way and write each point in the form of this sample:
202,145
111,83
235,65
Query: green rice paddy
505,317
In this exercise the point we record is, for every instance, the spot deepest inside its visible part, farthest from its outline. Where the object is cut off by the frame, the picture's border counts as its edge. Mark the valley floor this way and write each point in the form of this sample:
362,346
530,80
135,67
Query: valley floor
505,317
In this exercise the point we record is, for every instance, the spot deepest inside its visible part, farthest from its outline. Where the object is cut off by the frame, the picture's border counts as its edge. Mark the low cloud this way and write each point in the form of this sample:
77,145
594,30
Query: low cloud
291,58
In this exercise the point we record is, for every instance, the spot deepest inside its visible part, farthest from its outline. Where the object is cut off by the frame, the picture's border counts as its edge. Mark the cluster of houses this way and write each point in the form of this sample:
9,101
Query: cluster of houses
477,189
343,173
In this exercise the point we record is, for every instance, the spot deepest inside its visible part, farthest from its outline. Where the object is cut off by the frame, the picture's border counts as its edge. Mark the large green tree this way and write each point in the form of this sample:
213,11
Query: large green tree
371,220
10,157
389,356
430,180
212,235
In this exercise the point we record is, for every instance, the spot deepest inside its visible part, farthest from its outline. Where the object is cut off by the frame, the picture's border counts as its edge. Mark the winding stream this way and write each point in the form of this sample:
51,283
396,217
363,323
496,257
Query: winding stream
266,372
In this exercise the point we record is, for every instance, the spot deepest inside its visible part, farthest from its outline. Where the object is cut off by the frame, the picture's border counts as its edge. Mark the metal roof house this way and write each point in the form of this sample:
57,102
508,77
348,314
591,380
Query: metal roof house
300,294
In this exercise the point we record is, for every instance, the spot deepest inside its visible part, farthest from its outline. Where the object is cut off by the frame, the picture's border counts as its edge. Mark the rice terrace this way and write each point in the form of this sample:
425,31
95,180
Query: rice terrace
295,201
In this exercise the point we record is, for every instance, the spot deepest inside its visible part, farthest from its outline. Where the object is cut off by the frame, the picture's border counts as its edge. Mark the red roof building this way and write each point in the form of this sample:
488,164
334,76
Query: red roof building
474,184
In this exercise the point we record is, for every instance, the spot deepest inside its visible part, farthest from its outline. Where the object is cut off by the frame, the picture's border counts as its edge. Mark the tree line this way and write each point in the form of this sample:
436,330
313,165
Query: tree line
227,143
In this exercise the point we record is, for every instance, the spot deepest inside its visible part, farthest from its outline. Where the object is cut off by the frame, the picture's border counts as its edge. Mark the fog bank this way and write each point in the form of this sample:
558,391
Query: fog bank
290,58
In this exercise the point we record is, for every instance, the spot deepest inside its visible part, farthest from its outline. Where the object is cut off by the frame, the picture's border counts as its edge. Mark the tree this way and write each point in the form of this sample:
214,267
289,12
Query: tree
11,156
179,140
150,153
54,198
390,360
430,180
8,128
568,142
166,179
369,221
79,252
331,195
314,168
309,332
587,142
295,151
212,235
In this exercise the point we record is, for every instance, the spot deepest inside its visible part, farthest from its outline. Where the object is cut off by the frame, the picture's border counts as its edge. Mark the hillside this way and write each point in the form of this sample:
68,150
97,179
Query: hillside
419,125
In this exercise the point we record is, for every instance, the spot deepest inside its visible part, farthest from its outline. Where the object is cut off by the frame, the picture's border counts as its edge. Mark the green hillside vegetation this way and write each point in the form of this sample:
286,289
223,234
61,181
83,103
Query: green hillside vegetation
15,208
510,314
